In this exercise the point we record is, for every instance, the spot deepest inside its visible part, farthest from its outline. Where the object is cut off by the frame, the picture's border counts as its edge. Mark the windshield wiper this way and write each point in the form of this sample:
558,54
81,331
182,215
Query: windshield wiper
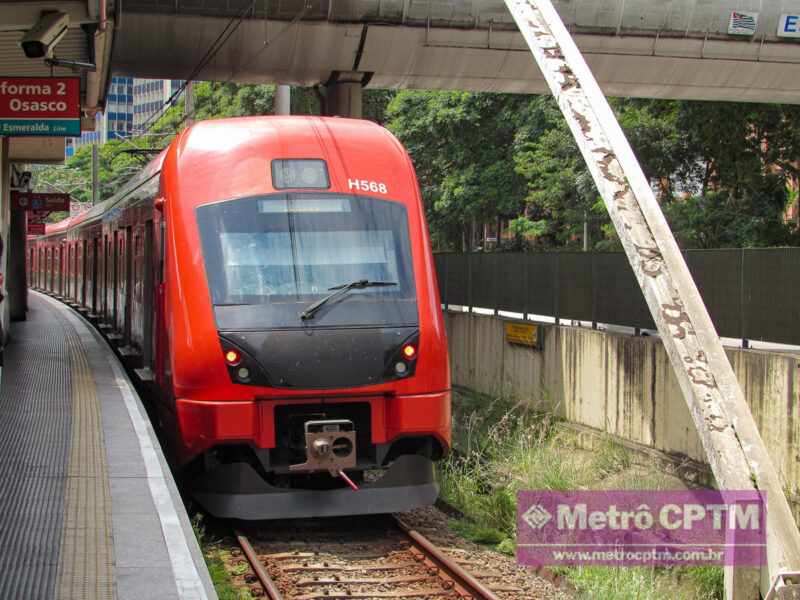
340,291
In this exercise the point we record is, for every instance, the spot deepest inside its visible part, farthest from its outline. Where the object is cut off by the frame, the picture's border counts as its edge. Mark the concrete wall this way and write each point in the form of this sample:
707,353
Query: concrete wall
623,385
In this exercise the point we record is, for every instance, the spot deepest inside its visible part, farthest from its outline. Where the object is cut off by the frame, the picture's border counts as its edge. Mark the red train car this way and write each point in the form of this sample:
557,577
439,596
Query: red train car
270,279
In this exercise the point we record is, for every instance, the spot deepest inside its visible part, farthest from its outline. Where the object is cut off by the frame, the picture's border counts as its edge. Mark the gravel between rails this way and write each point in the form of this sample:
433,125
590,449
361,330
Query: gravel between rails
311,558
433,524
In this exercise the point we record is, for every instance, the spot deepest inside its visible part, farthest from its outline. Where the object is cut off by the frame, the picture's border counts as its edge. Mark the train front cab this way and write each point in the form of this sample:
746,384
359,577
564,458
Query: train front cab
295,360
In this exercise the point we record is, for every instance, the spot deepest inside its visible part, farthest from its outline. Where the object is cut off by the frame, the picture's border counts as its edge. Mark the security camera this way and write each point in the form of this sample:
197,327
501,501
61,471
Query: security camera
40,40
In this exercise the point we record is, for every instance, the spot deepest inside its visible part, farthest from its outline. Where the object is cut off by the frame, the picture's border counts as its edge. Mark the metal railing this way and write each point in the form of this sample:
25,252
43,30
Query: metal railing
751,294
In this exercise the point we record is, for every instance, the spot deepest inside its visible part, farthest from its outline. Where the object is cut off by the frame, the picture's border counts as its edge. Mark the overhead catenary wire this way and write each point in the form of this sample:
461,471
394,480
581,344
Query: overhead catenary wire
219,42
230,28
267,43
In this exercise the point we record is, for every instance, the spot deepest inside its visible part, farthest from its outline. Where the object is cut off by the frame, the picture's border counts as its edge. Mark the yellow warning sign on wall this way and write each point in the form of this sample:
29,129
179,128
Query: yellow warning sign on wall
525,334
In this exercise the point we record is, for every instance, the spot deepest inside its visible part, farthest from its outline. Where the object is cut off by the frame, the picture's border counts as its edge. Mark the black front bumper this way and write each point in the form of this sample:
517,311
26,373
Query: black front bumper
236,491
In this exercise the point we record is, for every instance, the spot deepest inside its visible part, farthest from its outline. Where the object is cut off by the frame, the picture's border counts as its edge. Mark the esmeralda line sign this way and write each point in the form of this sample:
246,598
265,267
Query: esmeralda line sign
31,106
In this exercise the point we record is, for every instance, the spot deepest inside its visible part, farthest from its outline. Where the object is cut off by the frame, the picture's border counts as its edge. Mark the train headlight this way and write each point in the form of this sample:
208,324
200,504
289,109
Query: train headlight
402,362
242,368
233,357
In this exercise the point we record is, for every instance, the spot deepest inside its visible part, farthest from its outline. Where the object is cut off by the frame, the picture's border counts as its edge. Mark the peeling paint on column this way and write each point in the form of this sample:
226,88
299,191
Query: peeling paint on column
724,423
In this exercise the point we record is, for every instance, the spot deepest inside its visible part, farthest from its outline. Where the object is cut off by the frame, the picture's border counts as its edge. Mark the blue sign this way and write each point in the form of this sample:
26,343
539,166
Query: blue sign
789,26
49,127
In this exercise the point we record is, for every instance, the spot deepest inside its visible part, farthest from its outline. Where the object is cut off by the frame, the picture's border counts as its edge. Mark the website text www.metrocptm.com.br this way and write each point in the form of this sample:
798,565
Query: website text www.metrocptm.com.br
707,554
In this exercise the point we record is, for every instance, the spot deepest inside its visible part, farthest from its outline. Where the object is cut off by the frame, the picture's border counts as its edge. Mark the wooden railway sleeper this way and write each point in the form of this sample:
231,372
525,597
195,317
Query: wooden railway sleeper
360,581
326,566
424,593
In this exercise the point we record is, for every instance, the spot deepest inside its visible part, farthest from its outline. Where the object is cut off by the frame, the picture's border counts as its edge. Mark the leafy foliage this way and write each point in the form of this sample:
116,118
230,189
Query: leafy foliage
725,173
460,145
116,165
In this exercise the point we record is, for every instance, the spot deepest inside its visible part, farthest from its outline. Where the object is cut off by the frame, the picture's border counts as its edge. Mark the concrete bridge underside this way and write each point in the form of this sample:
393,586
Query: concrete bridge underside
646,48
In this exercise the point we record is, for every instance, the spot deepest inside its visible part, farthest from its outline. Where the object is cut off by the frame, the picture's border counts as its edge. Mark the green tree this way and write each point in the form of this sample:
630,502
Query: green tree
721,170
462,147
560,190
743,160
116,164
724,172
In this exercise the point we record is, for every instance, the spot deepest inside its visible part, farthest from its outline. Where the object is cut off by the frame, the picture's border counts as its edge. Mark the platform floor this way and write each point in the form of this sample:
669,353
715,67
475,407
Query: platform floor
88,507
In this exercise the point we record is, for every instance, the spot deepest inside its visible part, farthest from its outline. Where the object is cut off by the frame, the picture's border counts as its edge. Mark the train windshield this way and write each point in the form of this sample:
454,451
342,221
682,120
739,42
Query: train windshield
268,258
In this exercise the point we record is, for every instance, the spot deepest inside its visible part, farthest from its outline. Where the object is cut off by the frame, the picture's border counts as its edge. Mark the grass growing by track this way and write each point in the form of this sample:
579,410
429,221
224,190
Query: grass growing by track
218,559
501,448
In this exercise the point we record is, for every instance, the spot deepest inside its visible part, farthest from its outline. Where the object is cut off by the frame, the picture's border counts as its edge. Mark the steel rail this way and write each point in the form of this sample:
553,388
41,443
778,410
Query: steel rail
460,577
266,581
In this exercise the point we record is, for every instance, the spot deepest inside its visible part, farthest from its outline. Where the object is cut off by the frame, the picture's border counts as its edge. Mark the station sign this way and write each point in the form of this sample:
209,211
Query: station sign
789,26
36,106
36,201
36,228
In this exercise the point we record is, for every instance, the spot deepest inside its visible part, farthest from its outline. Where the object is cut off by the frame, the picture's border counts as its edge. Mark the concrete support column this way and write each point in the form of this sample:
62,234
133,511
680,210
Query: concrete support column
188,103
283,100
17,279
343,96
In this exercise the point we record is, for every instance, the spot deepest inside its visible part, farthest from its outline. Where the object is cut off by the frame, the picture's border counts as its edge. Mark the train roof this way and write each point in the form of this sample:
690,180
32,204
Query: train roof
233,158
96,212
237,146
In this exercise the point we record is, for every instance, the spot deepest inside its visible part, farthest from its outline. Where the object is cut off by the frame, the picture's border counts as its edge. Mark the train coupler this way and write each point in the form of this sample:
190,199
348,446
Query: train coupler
330,446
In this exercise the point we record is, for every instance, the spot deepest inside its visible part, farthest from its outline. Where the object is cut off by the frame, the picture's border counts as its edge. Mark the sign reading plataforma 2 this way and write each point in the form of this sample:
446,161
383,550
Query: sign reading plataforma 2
40,106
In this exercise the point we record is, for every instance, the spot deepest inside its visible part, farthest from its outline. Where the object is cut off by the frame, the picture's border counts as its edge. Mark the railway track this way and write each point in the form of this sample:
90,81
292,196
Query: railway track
376,558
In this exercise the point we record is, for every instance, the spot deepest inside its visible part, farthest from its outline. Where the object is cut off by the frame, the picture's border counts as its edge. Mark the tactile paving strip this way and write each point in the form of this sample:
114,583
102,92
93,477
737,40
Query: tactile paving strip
55,507
86,562
35,422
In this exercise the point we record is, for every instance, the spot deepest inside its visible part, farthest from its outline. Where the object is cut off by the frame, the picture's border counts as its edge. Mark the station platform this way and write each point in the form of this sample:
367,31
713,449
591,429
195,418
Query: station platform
88,506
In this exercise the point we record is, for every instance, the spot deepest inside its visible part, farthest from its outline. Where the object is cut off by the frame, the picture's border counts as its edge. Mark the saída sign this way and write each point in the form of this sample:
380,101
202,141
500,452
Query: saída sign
31,201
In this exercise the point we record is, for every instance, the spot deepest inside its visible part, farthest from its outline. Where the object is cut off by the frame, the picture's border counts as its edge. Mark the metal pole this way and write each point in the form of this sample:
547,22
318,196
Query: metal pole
742,305
95,175
283,100
188,103
585,231
727,430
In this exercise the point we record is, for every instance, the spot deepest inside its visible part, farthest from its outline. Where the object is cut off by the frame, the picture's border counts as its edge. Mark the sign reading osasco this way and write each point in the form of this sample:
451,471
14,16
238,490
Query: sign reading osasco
40,106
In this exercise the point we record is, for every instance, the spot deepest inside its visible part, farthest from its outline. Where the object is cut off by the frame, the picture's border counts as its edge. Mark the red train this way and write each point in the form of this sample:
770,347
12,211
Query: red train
270,279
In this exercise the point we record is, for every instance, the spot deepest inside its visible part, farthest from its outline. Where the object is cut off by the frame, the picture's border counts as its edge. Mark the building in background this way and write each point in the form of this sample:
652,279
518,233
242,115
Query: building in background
118,117
149,96
132,104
